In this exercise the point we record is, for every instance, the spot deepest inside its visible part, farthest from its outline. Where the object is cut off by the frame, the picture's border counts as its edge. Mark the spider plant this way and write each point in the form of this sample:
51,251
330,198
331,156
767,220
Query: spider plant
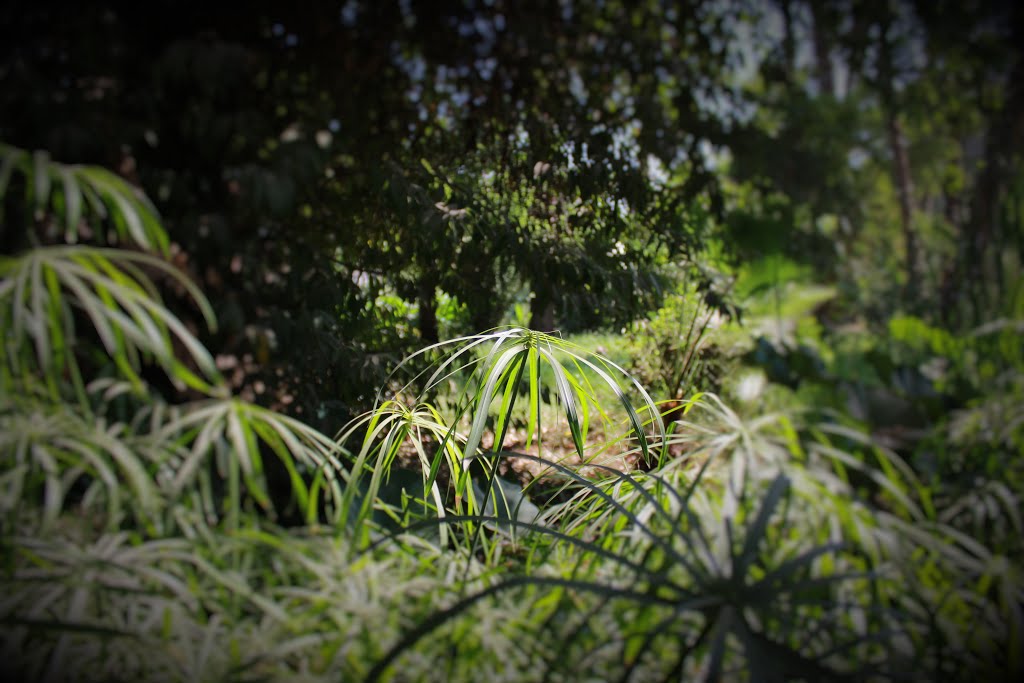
695,589
493,368
775,550
61,304
236,436
41,289
79,196
75,461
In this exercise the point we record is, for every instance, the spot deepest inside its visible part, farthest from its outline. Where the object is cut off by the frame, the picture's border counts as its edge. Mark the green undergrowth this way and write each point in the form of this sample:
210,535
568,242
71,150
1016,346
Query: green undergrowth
150,541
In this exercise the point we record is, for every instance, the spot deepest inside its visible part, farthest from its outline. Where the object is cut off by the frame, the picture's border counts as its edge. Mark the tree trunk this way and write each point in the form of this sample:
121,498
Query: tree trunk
980,227
905,190
428,311
542,309
900,159
483,320
1003,137
788,37
822,51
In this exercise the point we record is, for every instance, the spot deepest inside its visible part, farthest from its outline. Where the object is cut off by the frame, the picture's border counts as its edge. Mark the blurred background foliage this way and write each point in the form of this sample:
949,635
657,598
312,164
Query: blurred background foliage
797,224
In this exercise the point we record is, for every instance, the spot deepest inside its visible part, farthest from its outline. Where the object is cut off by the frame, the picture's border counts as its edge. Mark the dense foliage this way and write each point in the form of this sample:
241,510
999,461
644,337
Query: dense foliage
512,341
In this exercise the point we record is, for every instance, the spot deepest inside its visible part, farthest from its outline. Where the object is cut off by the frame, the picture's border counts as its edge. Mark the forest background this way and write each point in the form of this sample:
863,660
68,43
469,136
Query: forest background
780,236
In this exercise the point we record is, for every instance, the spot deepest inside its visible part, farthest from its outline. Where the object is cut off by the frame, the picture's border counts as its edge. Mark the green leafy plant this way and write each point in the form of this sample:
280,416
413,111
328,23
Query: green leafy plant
495,366
104,486
42,290
140,539
78,197
675,349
